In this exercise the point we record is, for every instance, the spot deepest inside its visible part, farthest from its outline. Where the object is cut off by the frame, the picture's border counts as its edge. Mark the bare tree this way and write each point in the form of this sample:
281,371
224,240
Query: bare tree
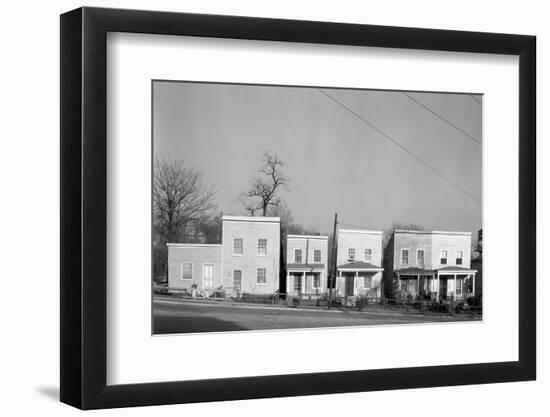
282,211
262,193
178,196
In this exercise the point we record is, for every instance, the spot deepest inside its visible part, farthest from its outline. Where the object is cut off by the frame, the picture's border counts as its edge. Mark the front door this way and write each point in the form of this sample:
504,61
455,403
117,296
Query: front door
442,289
208,276
350,285
298,285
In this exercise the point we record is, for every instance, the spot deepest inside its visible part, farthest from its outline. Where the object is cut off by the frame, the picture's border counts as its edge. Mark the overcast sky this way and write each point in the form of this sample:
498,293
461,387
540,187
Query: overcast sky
335,161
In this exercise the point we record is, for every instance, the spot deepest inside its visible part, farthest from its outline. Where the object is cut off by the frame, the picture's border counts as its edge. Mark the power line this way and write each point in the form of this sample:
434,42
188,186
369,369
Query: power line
442,118
395,142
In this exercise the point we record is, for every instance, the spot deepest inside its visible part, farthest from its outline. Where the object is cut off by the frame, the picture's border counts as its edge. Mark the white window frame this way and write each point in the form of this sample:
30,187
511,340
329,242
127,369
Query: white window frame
258,247
446,257
313,281
351,258
461,257
265,276
459,286
423,257
369,278
301,256
320,255
242,246
369,259
408,256
192,271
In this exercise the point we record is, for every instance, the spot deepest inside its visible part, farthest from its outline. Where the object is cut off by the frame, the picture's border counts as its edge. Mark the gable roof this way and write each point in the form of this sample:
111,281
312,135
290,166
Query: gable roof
359,265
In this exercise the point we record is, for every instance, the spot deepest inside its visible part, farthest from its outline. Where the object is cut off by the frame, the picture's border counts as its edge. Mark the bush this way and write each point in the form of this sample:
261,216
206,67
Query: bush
294,302
473,301
361,303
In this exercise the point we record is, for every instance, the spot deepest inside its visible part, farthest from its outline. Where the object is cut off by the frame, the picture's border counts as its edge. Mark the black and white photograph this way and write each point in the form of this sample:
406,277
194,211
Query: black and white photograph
294,207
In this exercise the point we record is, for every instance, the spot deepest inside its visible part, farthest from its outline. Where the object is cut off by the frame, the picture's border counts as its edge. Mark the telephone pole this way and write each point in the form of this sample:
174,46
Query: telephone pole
332,279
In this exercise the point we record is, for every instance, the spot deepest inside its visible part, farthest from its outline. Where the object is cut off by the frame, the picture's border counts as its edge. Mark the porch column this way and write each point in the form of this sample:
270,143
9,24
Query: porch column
418,284
355,282
454,294
287,282
437,288
474,285
304,283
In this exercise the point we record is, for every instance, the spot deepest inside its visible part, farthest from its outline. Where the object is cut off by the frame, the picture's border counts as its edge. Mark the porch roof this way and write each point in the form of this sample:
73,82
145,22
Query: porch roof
456,269
359,266
415,271
304,267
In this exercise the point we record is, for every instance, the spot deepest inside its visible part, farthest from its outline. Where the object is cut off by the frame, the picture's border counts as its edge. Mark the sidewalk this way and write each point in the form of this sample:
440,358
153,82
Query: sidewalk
377,310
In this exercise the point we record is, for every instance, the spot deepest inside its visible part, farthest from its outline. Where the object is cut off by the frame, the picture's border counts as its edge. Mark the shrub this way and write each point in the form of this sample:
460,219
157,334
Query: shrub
473,301
294,301
361,303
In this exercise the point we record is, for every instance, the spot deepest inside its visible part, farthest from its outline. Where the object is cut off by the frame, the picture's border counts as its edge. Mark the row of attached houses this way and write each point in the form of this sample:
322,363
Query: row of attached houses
246,261
431,264
249,259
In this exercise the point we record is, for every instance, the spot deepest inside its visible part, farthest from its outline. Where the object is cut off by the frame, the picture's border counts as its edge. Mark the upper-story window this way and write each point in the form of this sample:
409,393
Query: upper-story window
404,256
420,256
351,254
317,255
459,256
238,246
186,270
298,256
262,247
443,260
368,255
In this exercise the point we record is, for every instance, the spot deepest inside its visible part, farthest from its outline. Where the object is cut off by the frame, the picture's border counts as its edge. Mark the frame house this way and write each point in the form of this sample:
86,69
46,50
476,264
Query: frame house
430,264
246,261
358,260
306,267
194,264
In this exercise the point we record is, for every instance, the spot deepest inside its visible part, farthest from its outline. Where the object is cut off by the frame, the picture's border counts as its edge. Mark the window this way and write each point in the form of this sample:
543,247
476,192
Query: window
459,255
368,255
260,276
404,256
443,260
237,246
368,282
262,247
237,280
186,270
317,280
298,256
351,254
317,255
420,256
459,284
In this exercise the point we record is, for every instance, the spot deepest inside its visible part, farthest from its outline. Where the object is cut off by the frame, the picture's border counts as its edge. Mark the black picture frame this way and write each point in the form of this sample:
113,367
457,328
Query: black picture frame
84,207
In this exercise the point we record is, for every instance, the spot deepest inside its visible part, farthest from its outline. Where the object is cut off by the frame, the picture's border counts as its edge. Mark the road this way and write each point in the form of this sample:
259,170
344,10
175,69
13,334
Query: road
177,316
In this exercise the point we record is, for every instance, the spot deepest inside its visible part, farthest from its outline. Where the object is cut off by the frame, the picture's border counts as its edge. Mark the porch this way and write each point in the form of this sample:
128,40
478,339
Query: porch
447,283
358,279
305,280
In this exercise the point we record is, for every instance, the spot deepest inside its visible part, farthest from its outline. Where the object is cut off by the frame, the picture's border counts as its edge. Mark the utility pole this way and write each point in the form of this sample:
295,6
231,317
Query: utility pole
332,279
